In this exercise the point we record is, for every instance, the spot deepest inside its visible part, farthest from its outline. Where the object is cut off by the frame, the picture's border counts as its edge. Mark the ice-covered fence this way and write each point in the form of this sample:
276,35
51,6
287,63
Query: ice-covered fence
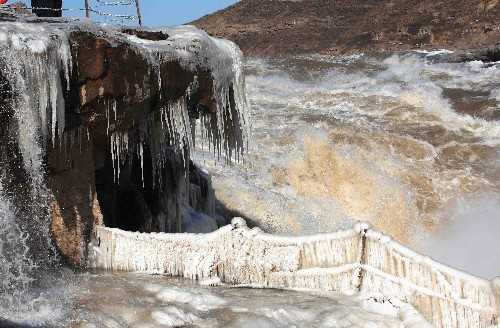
96,7
445,296
359,259
236,255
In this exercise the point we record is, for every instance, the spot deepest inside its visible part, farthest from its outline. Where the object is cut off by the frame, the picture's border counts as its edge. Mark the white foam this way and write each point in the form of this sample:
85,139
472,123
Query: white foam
172,316
199,300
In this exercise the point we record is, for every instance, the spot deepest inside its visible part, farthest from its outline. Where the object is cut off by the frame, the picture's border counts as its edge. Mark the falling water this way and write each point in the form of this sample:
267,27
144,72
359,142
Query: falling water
33,60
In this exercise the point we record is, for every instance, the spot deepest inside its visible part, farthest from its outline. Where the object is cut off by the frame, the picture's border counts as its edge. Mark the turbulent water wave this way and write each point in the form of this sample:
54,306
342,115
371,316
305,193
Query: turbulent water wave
392,141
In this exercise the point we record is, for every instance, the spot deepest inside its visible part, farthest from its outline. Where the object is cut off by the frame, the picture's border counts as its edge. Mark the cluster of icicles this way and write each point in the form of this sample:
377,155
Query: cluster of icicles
225,132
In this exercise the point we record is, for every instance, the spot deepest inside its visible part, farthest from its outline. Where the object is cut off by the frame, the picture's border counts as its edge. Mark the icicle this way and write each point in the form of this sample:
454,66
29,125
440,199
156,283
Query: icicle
114,109
107,118
36,57
113,156
119,147
141,156
195,49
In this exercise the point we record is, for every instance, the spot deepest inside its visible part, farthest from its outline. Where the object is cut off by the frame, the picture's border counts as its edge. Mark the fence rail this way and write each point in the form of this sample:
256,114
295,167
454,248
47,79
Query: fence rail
360,259
94,7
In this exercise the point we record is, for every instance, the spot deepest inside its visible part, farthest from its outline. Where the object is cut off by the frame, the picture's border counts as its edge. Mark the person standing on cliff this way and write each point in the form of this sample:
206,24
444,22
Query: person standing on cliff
47,8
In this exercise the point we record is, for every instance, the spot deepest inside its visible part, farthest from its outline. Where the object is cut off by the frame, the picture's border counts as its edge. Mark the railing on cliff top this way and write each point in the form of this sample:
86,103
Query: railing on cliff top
104,9
89,8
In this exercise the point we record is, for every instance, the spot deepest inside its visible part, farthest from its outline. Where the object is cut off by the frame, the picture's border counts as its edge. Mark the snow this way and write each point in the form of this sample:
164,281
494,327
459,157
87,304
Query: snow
135,302
174,317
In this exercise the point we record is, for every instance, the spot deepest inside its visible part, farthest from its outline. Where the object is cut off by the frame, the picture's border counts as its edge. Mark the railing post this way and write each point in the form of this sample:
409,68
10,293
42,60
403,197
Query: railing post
138,12
363,229
87,9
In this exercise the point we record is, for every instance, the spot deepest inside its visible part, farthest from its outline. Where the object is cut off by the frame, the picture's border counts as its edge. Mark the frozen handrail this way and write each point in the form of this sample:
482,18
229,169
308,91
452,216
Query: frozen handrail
90,8
93,8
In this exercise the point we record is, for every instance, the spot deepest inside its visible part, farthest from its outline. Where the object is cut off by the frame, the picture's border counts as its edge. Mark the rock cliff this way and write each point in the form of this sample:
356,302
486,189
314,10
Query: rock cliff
110,118
281,27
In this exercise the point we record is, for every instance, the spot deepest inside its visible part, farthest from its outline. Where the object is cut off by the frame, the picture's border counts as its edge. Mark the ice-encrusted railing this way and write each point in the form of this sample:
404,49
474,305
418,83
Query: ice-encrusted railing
355,260
103,10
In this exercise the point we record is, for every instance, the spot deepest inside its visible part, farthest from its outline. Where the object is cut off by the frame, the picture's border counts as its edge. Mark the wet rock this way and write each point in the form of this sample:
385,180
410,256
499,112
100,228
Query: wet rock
113,89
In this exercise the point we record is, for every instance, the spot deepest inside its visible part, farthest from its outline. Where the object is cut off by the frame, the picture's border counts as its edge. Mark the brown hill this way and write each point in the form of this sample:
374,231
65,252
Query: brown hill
279,27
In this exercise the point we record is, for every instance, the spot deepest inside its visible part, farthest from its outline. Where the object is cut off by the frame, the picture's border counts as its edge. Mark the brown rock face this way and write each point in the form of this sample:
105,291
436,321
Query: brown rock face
75,208
281,27
115,91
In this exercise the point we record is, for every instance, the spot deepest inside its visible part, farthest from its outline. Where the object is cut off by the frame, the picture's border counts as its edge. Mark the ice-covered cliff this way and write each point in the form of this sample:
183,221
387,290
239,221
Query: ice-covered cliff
96,127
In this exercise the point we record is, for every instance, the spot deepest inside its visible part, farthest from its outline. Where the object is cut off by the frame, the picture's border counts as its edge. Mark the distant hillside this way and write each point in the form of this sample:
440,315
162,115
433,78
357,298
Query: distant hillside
278,27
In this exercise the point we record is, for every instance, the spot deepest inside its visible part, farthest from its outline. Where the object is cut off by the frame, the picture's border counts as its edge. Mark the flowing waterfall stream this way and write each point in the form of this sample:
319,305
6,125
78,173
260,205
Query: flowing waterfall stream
33,64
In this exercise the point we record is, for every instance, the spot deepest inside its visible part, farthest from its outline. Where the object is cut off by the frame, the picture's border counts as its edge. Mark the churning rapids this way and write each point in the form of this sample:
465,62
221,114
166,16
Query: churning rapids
408,142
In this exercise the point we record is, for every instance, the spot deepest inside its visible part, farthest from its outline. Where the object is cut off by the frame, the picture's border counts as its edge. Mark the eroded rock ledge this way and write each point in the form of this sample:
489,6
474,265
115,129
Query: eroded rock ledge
115,113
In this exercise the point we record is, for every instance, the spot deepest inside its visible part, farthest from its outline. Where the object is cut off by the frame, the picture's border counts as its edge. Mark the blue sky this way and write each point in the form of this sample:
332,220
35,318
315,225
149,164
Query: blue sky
157,12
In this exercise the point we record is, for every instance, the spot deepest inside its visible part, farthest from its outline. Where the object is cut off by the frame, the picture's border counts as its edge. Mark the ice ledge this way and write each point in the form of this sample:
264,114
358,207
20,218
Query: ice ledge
356,260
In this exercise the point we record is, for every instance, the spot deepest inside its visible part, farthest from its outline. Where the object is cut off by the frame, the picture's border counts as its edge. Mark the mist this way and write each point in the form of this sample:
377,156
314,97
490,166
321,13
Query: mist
470,239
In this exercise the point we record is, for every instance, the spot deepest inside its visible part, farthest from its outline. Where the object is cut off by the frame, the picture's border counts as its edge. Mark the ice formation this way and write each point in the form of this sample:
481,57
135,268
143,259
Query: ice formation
32,60
350,261
229,133
167,136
